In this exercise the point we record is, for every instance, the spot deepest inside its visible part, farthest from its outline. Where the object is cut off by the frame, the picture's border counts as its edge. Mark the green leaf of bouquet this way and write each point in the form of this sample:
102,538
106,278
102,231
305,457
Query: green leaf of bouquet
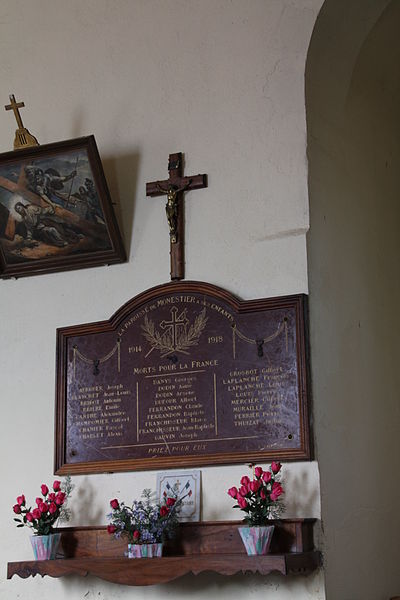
18,520
21,525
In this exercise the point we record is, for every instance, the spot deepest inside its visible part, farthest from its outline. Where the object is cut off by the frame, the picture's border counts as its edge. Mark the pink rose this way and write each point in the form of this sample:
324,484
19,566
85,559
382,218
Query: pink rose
36,514
275,467
53,508
258,472
21,500
17,509
242,502
243,490
39,501
254,486
263,495
267,476
56,485
29,517
114,504
51,497
164,511
171,501
136,534
277,490
45,489
43,508
60,497
245,480
111,529
233,492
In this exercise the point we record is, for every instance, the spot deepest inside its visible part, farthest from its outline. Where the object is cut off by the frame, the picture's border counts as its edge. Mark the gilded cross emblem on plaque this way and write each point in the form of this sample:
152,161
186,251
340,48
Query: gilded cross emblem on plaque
178,334
177,322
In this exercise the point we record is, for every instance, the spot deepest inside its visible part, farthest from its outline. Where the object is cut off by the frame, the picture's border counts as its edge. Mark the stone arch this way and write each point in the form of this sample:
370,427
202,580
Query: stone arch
353,123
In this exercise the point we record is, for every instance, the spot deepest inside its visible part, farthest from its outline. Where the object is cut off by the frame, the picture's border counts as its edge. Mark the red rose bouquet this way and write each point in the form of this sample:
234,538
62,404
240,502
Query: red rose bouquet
145,522
260,498
50,507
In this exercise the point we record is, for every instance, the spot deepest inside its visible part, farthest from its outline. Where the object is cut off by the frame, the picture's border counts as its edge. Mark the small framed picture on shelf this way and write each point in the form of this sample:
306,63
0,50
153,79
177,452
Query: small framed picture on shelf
55,210
186,486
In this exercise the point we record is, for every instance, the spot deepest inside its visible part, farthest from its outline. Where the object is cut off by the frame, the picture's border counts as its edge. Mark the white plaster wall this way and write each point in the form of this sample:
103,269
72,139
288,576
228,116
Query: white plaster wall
221,81
353,99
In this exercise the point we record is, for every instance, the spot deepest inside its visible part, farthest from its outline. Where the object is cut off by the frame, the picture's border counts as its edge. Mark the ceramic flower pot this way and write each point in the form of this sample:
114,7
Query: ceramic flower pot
144,550
256,540
45,546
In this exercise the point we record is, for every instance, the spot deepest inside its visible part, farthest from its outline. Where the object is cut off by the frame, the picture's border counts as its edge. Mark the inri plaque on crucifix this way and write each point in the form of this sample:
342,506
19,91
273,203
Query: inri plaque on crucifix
173,188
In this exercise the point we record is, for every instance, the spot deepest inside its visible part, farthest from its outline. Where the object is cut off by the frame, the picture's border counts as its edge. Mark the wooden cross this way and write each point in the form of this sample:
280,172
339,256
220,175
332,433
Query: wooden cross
22,136
174,187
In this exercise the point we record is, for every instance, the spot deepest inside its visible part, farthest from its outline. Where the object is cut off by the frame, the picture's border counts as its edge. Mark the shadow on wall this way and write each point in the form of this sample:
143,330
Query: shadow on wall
84,501
302,496
198,586
122,174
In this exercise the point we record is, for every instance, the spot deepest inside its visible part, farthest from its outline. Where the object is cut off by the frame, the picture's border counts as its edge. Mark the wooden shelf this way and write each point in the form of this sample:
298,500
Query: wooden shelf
213,547
149,571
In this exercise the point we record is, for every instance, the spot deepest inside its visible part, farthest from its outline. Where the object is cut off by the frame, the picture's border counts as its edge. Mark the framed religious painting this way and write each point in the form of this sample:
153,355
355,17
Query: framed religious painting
55,210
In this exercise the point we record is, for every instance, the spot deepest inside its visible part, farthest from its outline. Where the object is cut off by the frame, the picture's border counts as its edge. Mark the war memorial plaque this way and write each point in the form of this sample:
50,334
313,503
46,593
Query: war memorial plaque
183,375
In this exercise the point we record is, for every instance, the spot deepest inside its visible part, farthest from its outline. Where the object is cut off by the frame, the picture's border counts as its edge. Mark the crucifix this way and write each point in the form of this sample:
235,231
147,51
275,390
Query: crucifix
174,188
23,138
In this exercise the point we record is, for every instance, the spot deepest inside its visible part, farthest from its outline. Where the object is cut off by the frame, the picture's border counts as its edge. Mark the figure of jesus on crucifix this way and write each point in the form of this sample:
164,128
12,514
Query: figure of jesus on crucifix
172,209
174,187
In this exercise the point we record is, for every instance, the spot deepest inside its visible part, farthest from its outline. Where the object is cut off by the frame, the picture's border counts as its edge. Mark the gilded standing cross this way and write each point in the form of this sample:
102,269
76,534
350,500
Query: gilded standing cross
22,136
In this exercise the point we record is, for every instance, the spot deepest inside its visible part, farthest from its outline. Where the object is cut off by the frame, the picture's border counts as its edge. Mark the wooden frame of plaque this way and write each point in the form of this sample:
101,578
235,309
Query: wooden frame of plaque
184,375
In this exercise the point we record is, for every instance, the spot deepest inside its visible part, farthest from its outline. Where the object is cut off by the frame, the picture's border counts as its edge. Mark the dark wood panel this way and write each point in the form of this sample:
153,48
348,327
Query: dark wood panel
222,537
184,374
